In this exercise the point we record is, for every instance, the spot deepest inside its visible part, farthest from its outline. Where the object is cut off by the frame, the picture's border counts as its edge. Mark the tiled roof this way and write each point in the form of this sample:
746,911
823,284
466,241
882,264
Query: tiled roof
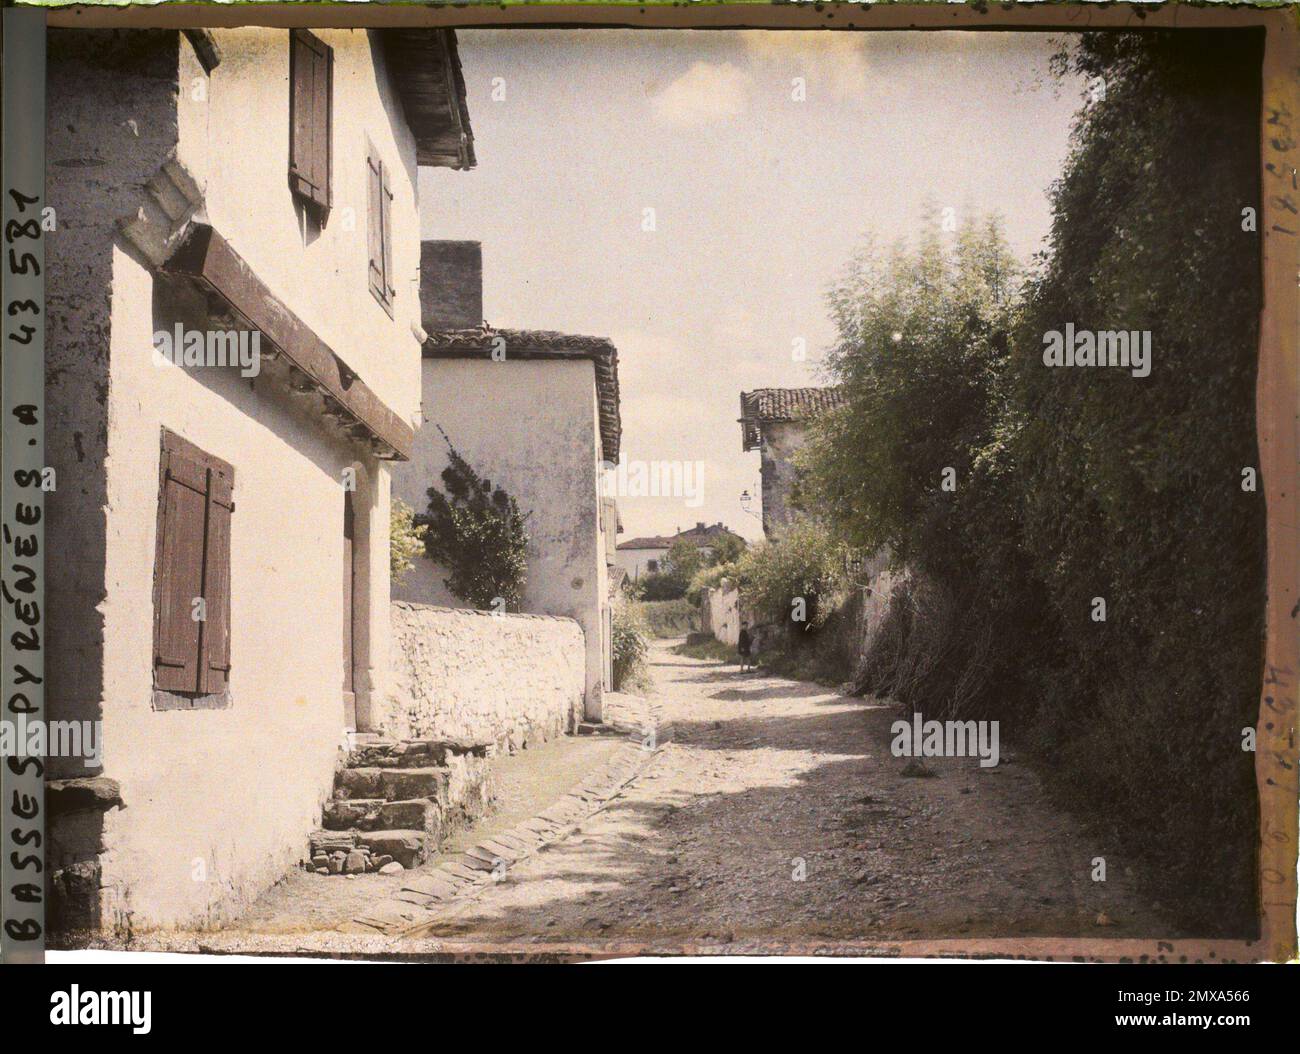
700,534
544,344
654,541
705,533
764,405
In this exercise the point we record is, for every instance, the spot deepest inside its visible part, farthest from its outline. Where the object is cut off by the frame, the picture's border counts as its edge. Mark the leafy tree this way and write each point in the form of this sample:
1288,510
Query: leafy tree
1075,483
923,340
725,549
477,533
917,461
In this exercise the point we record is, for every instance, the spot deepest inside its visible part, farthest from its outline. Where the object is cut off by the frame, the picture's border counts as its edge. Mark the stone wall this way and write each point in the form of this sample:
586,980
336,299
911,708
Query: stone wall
720,613
514,680
781,441
531,427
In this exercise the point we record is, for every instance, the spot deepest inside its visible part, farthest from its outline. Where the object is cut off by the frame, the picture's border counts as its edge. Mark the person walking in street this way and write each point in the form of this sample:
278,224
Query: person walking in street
745,646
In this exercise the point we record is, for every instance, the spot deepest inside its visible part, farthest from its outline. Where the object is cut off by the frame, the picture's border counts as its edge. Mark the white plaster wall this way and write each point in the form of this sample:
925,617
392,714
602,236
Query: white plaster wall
532,427
236,139
218,802
636,561
98,164
513,680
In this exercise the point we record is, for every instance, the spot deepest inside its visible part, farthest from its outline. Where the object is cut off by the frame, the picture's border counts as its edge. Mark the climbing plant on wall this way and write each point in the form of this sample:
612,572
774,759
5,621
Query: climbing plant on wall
477,533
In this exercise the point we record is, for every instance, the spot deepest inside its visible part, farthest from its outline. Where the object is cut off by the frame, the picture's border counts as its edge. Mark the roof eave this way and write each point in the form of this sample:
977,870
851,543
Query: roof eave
425,68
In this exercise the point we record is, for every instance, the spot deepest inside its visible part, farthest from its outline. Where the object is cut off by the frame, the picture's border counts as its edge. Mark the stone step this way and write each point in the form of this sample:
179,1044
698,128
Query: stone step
375,814
415,814
409,848
329,841
396,784
347,814
414,753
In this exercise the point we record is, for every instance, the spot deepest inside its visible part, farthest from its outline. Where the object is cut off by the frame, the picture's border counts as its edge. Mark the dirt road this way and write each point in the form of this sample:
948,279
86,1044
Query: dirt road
778,812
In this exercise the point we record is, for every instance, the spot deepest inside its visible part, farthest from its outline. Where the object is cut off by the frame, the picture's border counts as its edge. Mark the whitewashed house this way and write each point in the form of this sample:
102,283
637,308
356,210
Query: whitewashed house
223,608
537,413
645,555
649,555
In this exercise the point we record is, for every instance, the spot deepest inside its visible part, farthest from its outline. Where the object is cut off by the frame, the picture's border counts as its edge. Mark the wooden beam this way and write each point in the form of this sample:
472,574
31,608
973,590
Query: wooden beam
206,257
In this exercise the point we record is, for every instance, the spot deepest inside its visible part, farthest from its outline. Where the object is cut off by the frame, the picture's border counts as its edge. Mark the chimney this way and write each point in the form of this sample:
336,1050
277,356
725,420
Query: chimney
451,285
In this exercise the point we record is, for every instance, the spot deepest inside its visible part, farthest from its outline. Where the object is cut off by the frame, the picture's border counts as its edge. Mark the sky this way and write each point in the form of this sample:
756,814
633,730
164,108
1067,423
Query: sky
758,199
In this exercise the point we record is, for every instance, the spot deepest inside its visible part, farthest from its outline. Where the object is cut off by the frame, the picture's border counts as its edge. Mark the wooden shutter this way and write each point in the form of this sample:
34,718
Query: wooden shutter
386,231
214,653
311,91
192,561
178,572
375,224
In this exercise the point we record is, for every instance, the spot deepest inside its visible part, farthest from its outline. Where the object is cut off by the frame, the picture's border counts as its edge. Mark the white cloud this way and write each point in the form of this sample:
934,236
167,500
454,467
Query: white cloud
705,93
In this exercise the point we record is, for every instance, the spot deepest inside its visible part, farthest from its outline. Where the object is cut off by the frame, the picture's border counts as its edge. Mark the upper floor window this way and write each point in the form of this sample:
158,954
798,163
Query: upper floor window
311,83
379,227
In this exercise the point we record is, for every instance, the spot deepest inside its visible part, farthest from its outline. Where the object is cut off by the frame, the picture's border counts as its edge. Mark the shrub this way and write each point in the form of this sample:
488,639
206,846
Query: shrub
669,618
710,578
476,532
660,585
1132,485
790,581
630,644
405,539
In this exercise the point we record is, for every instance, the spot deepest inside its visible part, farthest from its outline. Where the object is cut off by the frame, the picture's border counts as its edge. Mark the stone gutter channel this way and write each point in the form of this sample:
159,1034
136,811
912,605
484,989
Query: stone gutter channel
422,901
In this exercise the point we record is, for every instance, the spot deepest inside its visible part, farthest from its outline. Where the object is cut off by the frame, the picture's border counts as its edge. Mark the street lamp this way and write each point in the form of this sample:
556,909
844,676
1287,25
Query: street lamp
747,503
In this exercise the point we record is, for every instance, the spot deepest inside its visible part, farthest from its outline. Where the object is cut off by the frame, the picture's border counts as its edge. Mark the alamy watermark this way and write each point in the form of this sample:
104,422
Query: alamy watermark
193,348
919,738
655,479
1128,349
23,738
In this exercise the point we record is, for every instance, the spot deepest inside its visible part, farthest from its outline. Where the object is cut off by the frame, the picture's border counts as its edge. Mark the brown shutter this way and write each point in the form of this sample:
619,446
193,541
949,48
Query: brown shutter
386,225
178,575
214,661
192,561
311,79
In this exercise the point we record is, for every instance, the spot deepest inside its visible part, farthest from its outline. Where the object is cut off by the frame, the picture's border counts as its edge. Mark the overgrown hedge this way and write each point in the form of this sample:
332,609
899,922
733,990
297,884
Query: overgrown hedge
1077,483
1133,486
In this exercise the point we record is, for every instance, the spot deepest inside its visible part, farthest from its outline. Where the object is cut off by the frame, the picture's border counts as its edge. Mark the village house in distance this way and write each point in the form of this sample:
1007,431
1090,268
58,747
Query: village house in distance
223,493
649,555
536,413
774,421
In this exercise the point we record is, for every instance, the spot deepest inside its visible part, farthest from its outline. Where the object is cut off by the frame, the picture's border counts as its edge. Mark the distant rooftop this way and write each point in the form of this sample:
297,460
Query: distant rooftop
700,534
765,405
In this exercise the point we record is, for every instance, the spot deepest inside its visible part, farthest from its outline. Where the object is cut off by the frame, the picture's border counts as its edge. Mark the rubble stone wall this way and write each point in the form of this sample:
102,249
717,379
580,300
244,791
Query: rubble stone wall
458,674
